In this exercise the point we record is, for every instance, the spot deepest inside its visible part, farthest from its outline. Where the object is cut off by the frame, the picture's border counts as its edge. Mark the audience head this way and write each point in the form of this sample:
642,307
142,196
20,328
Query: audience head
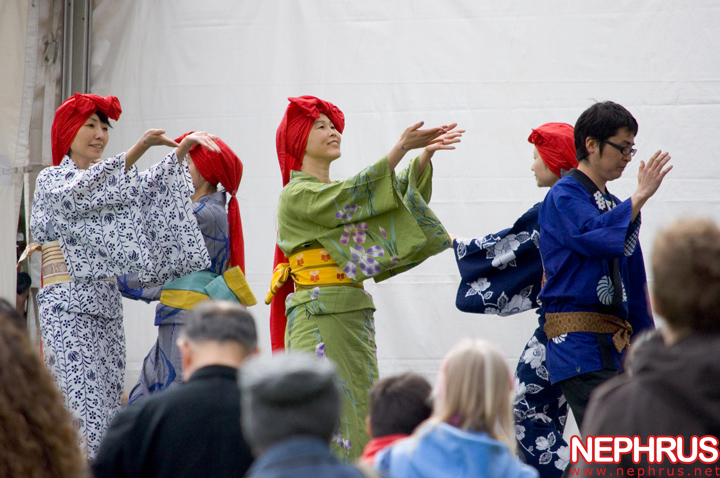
288,395
399,404
36,433
219,332
600,122
686,271
555,148
11,314
473,391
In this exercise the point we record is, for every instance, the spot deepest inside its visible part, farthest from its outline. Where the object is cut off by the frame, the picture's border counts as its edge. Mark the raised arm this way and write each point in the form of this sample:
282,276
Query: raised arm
151,137
650,176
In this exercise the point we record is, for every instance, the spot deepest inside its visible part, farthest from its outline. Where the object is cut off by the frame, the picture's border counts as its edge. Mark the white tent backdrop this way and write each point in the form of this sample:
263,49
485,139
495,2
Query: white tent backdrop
497,68
13,150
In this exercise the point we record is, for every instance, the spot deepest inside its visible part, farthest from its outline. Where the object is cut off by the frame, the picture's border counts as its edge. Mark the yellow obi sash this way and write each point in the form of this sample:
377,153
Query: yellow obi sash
309,268
54,269
188,291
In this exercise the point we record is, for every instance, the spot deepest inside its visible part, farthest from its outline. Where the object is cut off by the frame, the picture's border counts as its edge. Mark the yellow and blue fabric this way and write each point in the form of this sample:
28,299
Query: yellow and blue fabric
187,292
163,365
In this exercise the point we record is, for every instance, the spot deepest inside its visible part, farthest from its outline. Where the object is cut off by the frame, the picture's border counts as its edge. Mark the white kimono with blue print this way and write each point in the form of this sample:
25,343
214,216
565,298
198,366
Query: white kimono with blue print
109,222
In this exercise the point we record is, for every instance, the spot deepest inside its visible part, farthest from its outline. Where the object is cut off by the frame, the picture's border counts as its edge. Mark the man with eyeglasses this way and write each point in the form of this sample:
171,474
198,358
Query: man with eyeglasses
595,294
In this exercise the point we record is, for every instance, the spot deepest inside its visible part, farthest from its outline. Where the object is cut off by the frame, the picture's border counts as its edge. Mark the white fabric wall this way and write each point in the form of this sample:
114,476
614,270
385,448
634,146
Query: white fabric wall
13,133
497,68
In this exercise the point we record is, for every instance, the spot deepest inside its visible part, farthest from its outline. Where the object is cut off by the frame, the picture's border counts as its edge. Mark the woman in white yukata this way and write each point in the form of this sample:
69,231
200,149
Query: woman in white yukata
96,220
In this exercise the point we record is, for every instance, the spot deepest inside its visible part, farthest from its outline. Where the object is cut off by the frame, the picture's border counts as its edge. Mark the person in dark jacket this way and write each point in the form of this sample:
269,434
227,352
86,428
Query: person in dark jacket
673,385
194,429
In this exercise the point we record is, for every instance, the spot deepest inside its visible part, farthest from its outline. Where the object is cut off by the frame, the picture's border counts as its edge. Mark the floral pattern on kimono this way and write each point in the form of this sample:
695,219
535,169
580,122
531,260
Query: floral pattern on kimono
501,274
375,224
162,367
109,222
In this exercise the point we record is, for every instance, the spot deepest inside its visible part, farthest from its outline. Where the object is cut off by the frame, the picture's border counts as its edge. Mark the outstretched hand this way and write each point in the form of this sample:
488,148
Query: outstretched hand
151,137
206,140
156,137
650,177
446,140
413,137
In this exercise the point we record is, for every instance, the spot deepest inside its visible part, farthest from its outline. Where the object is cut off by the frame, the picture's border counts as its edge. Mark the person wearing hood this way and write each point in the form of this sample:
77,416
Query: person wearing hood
470,432
672,385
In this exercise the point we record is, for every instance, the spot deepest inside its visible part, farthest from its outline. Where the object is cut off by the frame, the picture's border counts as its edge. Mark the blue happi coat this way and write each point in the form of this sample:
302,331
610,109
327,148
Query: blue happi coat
578,242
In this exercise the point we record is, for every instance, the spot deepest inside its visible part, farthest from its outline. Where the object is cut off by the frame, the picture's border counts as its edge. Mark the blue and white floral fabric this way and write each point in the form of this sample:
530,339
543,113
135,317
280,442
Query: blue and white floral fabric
109,222
162,367
501,274
540,410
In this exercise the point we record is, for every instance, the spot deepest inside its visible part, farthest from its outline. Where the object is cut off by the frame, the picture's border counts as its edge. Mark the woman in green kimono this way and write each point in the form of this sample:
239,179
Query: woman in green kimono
336,234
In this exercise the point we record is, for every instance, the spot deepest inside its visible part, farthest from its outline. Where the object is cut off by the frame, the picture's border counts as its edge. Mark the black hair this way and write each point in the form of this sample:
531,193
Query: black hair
399,404
601,121
103,118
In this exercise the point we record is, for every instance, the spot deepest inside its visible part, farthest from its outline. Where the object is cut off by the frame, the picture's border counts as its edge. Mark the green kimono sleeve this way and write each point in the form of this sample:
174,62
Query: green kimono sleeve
415,196
424,183
365,223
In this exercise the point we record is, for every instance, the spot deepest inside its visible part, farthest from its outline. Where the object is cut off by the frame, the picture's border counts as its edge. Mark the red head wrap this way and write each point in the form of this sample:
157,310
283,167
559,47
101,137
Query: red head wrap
224,168
72,114
291,141
292,134
556,144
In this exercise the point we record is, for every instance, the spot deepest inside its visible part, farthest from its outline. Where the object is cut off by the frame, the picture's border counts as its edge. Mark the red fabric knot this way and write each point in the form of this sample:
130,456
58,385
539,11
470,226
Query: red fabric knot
72,114
556,144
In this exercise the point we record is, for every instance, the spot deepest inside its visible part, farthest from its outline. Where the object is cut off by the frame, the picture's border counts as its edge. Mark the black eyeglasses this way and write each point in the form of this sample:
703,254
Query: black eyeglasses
627,150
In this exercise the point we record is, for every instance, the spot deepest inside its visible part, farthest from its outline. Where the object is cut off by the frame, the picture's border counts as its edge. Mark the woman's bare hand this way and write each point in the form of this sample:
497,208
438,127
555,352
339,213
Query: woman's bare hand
444,141
413,137
156,137
151,137
206,140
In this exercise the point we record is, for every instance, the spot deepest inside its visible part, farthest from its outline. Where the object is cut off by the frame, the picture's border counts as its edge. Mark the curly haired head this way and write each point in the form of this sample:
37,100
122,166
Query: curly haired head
36,435
686,270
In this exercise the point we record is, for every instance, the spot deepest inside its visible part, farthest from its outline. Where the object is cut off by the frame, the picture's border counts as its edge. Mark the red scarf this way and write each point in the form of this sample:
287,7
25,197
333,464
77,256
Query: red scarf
224,168
72,114
556,144
291,141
